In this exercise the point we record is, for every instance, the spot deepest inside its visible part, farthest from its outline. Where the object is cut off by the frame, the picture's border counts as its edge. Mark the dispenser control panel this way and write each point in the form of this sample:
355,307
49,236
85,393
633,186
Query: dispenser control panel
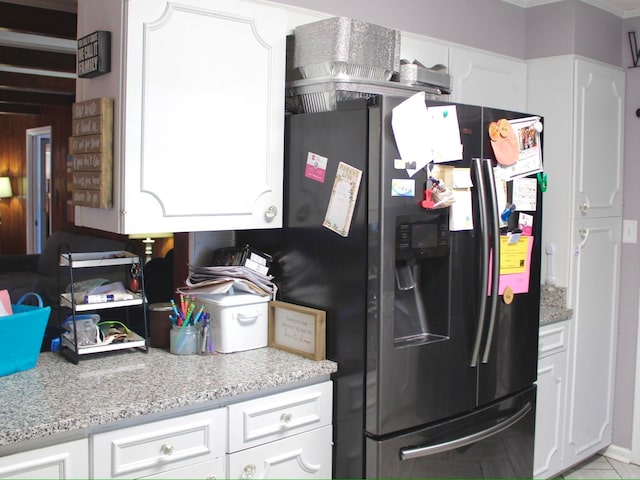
425,235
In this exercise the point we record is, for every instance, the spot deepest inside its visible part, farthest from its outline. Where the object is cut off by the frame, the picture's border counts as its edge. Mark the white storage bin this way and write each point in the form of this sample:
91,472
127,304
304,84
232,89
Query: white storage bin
240,322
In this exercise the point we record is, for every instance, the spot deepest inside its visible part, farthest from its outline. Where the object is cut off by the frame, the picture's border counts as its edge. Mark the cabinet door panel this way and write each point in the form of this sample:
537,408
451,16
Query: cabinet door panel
594,290
599,129
210,101
549,415
209,470
66,460
486,79
307,455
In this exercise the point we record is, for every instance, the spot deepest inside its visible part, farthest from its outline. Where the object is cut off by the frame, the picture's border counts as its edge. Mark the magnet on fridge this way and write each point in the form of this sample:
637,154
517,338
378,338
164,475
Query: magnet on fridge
514,236
508,295
542,181
428,199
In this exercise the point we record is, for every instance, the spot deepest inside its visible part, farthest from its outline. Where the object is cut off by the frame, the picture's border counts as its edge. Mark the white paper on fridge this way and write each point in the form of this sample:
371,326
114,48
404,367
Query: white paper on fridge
445,134
410,122
343,199
524,195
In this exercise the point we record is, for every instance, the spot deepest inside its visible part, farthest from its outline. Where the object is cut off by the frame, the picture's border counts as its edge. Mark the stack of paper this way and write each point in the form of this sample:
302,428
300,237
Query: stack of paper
225,279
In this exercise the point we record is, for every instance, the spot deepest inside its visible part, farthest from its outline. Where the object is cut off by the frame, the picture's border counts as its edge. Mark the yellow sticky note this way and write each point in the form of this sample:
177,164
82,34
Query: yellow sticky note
513,256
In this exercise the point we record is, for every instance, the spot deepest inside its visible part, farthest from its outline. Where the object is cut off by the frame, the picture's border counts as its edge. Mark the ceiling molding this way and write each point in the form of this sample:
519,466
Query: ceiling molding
616,7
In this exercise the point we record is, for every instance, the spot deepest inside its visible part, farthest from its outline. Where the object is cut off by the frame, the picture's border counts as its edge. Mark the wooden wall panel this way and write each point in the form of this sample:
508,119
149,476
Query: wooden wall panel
13,163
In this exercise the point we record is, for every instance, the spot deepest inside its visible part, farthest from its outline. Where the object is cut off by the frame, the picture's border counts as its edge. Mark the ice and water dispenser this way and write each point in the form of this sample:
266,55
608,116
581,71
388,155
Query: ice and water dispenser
422,271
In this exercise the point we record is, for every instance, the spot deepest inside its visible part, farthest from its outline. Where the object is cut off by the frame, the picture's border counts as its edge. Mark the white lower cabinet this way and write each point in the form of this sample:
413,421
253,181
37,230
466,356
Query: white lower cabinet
281,435
172,448
552,374
285,435
64,460
306,455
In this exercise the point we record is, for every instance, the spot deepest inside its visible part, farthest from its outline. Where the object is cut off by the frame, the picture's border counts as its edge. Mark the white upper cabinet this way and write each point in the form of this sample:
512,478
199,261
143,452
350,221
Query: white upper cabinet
491,80
199,114
598,140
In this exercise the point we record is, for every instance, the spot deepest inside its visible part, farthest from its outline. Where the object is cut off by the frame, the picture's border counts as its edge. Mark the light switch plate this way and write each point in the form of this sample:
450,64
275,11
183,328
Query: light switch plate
629,231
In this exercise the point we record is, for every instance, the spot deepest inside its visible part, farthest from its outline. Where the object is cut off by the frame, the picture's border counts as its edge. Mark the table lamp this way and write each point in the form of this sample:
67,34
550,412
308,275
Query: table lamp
5,190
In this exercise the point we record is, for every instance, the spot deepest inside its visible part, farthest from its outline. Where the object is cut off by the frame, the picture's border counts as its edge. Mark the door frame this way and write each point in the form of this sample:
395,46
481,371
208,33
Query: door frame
38,172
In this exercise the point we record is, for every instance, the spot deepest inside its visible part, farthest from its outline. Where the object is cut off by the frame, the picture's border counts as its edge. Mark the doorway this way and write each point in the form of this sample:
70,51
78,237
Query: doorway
39,213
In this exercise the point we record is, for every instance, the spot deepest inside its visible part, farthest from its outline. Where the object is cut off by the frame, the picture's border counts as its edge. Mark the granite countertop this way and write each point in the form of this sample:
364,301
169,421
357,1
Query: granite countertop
553,302
58,397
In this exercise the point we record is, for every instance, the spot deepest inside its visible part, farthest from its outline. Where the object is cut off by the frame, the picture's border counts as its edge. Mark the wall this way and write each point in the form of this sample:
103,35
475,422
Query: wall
630,268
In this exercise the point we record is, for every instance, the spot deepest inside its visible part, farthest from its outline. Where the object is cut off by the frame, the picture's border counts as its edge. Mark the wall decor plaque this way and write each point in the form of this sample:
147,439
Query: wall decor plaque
297,329
94,54
92,153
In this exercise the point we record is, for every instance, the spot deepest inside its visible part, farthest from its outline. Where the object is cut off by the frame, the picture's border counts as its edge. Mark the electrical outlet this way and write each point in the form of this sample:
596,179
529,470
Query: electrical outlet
629,231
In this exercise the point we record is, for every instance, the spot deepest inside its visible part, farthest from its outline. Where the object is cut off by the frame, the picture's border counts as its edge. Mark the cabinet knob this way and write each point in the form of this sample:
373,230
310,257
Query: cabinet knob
249,471
167,449
286,418
271,212
583,208
583,233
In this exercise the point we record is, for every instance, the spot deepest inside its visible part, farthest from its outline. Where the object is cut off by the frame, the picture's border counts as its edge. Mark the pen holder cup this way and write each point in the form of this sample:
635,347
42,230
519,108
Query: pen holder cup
184,340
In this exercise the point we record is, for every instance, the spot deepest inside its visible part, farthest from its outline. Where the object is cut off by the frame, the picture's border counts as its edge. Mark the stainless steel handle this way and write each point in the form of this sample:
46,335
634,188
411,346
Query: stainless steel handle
484,258
410,453
495,263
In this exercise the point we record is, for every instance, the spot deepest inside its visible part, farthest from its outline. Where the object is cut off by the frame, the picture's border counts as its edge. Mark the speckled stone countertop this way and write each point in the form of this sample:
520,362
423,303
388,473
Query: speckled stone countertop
553,305
58,397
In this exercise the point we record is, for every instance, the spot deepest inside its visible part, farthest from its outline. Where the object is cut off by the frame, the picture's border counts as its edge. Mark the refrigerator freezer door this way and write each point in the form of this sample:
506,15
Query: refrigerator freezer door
493,442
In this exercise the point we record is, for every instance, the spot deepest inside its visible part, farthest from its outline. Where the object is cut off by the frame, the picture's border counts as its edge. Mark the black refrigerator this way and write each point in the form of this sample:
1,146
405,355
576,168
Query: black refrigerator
436,368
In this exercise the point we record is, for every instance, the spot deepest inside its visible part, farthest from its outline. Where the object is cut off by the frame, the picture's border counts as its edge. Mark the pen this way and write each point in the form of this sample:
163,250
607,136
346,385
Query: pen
175,308
197,317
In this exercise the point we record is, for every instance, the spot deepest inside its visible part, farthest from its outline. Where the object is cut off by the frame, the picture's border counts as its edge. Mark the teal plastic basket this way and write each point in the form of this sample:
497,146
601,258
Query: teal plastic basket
21,335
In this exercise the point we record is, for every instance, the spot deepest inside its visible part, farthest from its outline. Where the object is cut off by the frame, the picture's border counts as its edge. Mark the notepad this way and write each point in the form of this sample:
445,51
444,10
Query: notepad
5,303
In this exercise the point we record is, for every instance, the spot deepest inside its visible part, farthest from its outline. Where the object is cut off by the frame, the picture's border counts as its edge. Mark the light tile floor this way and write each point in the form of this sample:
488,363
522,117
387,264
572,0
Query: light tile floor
599,466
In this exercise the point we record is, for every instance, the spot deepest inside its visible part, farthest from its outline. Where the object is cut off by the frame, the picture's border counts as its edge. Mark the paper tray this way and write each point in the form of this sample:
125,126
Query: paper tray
134,340
98,259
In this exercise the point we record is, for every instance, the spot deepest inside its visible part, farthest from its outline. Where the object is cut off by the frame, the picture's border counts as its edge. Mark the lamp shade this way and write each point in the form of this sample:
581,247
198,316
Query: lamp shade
5,187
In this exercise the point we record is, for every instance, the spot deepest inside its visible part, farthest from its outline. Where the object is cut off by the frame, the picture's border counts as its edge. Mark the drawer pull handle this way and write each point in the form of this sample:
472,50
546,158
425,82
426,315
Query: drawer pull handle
286,418
249,471
167,449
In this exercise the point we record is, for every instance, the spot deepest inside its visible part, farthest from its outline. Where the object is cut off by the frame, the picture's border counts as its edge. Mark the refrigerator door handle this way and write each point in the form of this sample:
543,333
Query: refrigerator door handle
484,258
411,453
495,261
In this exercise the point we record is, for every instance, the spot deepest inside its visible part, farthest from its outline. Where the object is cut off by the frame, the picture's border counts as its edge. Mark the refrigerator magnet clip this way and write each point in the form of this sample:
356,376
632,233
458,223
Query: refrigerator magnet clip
428,199
506,213
542,181
507,295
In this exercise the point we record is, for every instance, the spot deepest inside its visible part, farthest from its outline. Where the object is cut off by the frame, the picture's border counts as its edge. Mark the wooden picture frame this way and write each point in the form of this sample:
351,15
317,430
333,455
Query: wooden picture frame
297,329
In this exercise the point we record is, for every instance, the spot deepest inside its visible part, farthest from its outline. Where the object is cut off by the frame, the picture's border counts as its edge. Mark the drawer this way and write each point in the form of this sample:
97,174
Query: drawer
160,446
553,339
277,416
307,455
